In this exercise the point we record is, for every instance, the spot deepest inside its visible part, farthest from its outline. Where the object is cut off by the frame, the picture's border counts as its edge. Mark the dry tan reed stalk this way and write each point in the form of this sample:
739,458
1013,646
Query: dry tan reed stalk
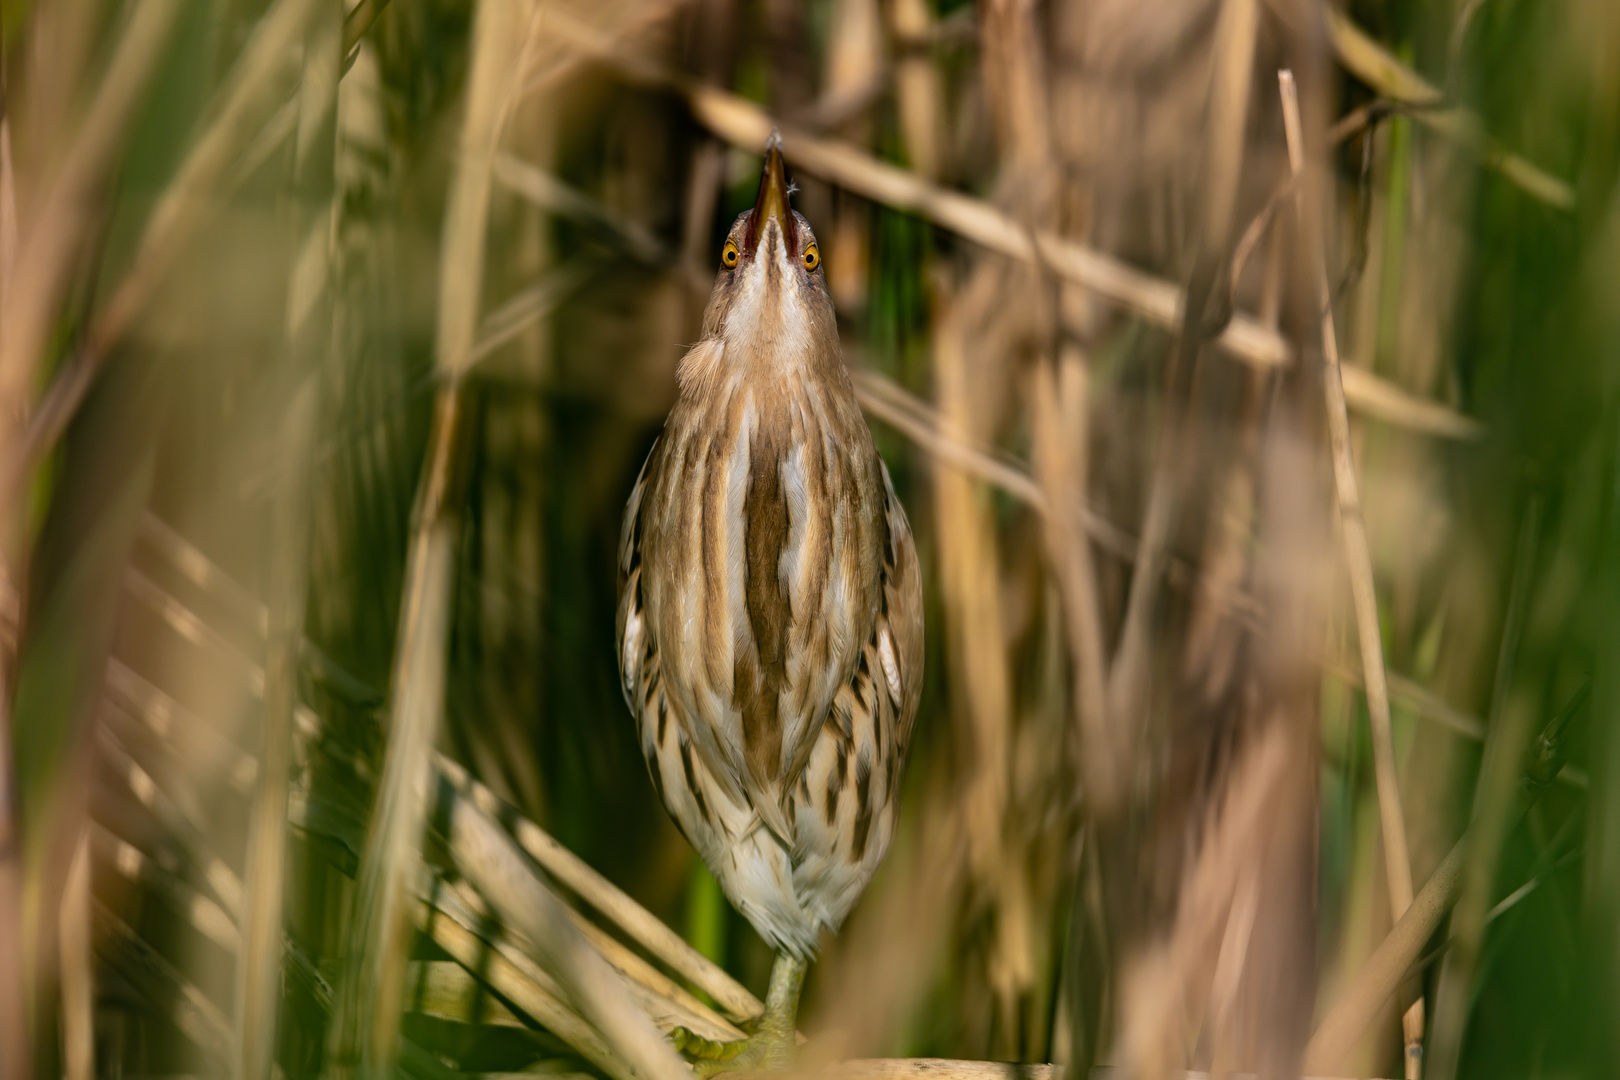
310,211
1358,556
1128,678
260,963
924,1069
365,1027
882,397
444,988
494,865
918,90
1059,424
1165,981
970,579
1373,64
185,203
356,24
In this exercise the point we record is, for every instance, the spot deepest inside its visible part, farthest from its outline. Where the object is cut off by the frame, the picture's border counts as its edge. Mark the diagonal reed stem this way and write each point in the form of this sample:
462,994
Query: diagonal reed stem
365,1031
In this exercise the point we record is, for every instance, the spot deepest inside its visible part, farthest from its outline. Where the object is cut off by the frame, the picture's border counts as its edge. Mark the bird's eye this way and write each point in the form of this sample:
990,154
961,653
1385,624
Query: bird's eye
729,256
812,257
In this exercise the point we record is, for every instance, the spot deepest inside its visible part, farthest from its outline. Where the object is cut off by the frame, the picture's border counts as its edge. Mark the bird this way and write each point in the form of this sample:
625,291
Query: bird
770,617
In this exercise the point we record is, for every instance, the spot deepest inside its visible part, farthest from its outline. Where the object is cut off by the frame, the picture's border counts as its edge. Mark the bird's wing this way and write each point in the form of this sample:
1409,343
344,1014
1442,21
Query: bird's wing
631,632
640,666
899,633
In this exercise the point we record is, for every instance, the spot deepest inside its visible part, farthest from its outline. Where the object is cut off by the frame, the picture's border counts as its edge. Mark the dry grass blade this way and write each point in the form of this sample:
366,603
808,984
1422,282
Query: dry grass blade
365,1027
173,817
1164,983
78,978
552,195
445,989
151,975
181,209
495,866
1358,554
882,397
54,236
885,399
124,859
36,263
1374,65
1386,969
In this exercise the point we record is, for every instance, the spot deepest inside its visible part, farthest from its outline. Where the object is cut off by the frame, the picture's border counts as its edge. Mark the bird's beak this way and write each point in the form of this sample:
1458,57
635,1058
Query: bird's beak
772,204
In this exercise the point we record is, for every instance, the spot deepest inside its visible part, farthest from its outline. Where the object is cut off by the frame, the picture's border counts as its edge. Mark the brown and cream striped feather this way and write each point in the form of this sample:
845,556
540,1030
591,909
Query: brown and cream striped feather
770,613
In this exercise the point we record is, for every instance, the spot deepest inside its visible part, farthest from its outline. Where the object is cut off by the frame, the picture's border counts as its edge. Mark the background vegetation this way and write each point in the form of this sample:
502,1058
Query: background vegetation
332,337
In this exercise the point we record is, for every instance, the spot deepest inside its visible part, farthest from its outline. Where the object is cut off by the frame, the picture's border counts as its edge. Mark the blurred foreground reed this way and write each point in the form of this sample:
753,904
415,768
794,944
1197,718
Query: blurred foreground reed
1259,436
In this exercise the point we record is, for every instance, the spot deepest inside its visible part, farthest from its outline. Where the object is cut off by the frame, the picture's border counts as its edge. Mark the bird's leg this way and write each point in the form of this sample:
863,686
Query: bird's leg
770,1048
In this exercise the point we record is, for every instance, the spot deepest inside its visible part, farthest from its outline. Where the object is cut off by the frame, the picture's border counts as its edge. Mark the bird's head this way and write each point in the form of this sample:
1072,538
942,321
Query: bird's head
770,303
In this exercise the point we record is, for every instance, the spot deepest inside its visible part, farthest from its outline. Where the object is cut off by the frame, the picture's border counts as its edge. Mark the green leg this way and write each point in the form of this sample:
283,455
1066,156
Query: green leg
771,1047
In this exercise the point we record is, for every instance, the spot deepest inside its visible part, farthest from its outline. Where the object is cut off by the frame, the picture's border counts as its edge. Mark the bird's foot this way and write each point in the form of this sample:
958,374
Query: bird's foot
764,1051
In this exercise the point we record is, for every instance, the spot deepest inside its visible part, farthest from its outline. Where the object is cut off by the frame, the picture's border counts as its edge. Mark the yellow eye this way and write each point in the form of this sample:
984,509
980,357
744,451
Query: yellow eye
730,256
812,257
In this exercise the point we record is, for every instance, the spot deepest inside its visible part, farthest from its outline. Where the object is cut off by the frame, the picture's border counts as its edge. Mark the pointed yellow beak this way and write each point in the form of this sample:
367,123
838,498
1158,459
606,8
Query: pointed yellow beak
772,204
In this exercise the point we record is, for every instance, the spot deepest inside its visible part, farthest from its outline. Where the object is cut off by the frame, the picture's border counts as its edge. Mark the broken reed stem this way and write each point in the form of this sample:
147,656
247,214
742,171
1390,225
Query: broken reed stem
1358,559
510,973
642,925
365,1029
494,865
744,124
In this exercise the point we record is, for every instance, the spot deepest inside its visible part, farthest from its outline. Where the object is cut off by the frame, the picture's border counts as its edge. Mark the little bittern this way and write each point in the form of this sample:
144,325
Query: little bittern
770,612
